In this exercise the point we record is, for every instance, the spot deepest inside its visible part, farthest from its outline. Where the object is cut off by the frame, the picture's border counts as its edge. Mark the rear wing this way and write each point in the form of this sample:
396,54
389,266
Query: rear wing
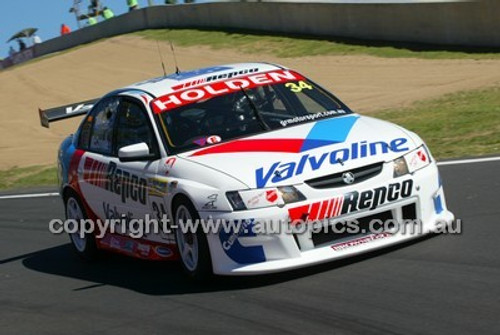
65,112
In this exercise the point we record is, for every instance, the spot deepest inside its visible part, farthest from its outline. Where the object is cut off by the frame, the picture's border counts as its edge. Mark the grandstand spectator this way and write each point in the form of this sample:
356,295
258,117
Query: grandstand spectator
65,29
132,4
22,45
12,51
94,7
91,21
107,13
170,2
36,39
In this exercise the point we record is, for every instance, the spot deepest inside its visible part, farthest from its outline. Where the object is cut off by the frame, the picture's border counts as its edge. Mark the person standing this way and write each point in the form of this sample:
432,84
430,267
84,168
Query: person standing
107,13
22,45
65,29
91,21
36,39
95,6
132,5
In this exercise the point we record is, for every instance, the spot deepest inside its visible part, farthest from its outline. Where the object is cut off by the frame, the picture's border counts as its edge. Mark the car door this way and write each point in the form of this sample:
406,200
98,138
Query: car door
98,188
143,192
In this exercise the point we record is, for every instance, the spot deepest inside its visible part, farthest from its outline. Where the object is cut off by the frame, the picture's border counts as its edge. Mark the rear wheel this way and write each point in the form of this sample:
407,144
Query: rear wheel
192,245
85,246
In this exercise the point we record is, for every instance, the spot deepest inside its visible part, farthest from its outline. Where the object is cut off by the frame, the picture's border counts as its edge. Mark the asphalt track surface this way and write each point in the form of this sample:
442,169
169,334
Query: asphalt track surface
440,284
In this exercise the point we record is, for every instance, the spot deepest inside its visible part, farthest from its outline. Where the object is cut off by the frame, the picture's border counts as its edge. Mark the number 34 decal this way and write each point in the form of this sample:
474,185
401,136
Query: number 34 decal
298,87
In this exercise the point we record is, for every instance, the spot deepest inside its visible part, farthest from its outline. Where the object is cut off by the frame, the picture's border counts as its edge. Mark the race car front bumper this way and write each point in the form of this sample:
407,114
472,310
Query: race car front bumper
253,250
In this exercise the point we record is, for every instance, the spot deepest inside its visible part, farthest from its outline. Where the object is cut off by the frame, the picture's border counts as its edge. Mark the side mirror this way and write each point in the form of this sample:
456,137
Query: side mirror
135,152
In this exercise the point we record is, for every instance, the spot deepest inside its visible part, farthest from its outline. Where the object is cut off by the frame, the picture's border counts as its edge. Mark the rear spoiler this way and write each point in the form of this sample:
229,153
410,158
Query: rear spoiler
65,112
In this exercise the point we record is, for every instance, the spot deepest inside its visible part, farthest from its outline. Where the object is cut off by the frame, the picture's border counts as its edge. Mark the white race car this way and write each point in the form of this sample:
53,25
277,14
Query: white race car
279,173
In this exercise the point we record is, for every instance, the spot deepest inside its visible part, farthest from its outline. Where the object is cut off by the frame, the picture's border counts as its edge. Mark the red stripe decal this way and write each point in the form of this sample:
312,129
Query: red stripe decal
267,145
332,207
324,207
314,211
339,207
298,213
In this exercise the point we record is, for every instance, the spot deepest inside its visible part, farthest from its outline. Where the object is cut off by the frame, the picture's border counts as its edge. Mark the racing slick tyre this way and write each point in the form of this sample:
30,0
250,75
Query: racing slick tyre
84,246
192,246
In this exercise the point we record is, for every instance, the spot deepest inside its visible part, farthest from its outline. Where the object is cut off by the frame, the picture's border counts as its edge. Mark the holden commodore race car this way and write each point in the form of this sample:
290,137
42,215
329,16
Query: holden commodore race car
242,143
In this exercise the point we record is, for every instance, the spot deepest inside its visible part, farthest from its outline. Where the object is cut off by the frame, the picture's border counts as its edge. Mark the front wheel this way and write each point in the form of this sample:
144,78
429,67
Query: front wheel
84,246
192,245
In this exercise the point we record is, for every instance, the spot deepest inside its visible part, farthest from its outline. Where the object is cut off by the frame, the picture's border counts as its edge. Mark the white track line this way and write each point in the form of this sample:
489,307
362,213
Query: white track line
34,195
469,161
457,162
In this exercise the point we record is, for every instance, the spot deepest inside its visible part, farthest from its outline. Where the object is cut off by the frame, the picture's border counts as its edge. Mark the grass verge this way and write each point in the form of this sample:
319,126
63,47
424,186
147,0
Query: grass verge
32,176
298,45
455,125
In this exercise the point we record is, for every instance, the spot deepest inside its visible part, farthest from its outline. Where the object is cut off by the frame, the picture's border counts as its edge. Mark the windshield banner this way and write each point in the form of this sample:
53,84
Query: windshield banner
192,95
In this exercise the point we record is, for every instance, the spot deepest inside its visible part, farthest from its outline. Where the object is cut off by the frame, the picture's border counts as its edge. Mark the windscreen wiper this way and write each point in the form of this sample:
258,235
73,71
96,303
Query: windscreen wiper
256,112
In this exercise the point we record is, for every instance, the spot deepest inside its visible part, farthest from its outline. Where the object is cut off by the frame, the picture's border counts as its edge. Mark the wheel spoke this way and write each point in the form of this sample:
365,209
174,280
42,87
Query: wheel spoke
187,242
186,251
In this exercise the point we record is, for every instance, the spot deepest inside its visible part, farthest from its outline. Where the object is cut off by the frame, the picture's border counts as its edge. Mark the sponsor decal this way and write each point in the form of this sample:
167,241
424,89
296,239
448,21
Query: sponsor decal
143,249
110,178
200,72
311,117
351,202
207,140
260,198
115,243
213,78
80,107
186,75
213,139
417,160
281,171
235,250
359,241
137,248
202,92
128,246
169,164
157,187
212,199
162,251
271,196
112,213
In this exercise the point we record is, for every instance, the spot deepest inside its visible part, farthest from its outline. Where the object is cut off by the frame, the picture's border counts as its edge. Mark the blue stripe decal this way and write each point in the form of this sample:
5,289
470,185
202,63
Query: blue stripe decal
235,250
329,131
438,205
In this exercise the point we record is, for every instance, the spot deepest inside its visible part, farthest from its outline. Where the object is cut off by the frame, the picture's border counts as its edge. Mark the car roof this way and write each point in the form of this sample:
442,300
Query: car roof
177,81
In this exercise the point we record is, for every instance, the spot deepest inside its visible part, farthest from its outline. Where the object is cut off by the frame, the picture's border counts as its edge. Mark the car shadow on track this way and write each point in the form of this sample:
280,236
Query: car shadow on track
165,278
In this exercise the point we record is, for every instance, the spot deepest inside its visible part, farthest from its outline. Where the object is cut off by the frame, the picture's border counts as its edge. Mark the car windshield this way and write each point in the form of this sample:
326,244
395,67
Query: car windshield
243,112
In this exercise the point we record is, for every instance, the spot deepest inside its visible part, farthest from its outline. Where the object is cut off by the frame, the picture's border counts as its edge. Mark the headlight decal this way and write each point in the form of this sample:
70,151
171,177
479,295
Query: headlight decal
262,198
411,162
